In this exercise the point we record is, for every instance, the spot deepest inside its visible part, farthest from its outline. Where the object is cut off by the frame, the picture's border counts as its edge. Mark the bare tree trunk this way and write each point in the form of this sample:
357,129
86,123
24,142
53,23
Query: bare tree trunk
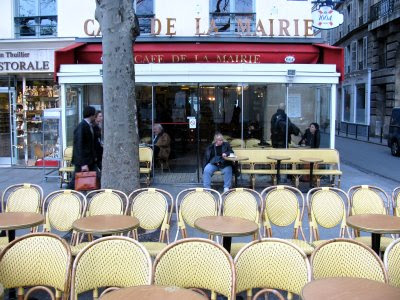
119,28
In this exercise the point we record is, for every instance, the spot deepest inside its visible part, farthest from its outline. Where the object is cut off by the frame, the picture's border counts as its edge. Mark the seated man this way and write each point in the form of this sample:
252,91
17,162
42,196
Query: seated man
213,161
161,142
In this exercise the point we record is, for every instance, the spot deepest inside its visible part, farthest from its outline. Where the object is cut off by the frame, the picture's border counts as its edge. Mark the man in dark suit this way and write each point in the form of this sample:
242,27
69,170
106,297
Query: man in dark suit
84,155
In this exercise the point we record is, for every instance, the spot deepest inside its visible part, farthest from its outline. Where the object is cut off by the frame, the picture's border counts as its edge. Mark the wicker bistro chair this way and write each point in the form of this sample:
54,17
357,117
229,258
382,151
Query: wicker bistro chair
146,160
266,291
153,208
347,258
67,168
396,201
111,262
40,261
326,208
237,143
366,199
106,202
272,263
196,263
391,261
61,209
194,203
242,203
282,206
252,143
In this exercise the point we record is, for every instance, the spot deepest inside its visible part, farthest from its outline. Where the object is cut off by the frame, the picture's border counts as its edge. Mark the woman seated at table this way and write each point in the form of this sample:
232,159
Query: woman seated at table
214,161
311,137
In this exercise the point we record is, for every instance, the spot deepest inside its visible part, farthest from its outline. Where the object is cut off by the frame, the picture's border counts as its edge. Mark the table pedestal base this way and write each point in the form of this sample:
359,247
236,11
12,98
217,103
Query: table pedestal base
226,243
376,242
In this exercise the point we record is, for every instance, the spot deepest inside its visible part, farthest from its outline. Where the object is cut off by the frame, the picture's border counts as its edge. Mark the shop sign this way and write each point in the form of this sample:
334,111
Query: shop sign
290,59
15,61
326,18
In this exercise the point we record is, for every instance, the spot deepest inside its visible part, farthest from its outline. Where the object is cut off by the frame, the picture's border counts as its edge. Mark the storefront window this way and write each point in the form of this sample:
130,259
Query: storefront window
348,107
35,18
232,15
73,108
360,104
144,113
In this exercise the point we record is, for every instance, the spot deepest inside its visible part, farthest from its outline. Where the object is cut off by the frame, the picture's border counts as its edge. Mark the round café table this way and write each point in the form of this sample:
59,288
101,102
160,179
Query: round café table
346,288
105,224
311,161
377,225
278,159
12,221
227,227
235,160
153,292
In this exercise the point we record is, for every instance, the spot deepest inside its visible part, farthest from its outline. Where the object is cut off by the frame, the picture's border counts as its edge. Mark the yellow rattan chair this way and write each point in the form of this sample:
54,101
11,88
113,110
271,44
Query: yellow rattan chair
392,263
146,162
326,208
272,263
194,203
61,209
346,258
237,143
266,291
396,201
40,261
283,206
67,169
367,199
242,203
153,208
106,202
252,143
113,261
196,263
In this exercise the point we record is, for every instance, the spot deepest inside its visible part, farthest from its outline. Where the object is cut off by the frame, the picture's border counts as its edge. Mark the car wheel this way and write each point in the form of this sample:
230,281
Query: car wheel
395,148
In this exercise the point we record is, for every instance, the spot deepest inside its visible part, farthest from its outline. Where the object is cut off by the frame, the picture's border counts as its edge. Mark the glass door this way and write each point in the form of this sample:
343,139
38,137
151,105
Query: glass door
6,124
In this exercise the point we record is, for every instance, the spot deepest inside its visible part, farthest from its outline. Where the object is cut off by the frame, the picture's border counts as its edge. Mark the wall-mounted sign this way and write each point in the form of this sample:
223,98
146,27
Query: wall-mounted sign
326,18
290,59
32,61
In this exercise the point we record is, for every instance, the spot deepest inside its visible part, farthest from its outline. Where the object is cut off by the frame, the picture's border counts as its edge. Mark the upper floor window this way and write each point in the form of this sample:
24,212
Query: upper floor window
144,10
232,15
35,18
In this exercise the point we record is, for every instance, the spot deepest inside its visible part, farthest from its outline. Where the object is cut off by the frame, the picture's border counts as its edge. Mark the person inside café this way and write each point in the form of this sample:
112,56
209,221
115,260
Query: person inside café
279,121
162,143
214,161
311,136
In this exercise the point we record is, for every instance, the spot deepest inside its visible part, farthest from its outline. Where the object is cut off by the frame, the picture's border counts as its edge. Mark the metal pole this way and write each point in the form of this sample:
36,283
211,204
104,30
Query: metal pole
287,115
152,124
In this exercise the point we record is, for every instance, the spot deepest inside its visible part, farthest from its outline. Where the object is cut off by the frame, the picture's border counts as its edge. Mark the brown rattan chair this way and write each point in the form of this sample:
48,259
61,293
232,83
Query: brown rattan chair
196,263
274,264
37,261
327,208
347,258
194,203
242,203
283,206
110,262
367,199
153,208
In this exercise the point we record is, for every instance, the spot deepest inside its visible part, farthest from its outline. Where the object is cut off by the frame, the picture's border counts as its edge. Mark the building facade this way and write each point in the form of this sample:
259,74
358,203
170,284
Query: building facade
370,37
208,66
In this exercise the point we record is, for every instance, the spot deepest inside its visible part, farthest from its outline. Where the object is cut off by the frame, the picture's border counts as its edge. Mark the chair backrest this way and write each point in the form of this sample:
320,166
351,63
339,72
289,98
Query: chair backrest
272,263
37,259
194,203
62,208
153,208
23,197
146,156
196,263
326,208
282,206
106,202
113,261
237,143
346,258
392,262
252,143
396,201
68,154
367,199
243,203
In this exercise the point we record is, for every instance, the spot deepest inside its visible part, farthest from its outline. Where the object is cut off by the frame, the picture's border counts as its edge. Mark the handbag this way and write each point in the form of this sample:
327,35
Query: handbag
86,181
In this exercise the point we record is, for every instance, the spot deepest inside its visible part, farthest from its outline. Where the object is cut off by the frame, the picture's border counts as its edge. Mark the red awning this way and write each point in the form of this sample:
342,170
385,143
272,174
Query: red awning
251,53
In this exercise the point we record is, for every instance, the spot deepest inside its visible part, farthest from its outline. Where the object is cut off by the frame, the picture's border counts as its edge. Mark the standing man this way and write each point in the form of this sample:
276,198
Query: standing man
98,141
278,128
84,155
